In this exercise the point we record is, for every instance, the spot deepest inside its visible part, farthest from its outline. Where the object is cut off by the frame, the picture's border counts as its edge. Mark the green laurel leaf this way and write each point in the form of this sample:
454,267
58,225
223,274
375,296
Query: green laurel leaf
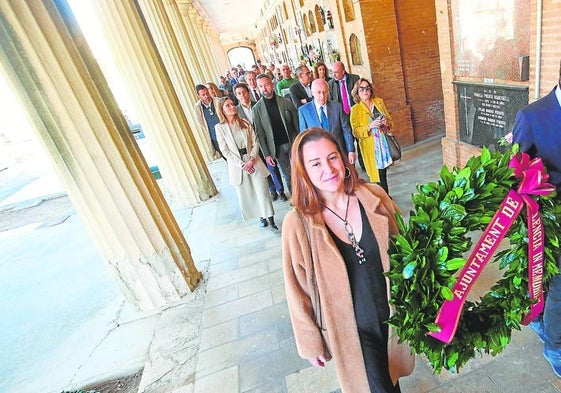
432,245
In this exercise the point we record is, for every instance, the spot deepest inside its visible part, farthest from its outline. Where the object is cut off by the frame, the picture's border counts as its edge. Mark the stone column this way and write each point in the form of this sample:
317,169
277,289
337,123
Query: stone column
160,26
214,53
143,73
52,70
200,24
192,17
183,30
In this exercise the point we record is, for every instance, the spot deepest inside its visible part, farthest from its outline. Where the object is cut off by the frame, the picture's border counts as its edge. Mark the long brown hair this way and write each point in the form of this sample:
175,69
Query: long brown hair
305,197
242,123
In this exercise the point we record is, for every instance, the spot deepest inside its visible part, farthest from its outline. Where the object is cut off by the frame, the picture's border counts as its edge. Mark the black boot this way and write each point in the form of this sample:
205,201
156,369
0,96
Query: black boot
274,228
262,222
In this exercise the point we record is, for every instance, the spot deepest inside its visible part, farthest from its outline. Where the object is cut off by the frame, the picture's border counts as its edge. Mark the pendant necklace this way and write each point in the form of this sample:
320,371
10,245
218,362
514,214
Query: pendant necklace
350,232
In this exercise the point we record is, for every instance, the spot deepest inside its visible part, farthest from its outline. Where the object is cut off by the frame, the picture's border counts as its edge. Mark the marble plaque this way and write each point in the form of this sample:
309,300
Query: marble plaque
487,112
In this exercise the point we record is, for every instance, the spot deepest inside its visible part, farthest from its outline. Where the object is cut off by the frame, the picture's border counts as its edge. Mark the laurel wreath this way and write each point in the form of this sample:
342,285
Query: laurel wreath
429,251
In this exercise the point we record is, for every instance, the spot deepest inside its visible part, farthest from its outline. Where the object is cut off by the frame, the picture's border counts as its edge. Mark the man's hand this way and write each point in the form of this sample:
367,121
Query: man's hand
352,157
270,160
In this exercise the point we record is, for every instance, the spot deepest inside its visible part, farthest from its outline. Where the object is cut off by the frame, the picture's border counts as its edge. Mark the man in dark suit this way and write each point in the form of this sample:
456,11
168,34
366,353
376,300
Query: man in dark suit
537,131
329,116
341,85
340,88
276,126
251,82
301,92
245,111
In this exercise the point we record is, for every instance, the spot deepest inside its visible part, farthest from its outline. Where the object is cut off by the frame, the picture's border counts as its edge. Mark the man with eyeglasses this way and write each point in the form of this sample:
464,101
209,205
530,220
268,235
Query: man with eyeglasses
301,92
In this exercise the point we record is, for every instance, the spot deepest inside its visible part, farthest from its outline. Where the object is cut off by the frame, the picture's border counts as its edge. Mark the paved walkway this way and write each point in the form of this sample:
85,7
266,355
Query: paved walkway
65,324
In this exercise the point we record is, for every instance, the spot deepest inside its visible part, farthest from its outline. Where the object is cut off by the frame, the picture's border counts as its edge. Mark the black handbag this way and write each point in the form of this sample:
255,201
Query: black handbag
393,145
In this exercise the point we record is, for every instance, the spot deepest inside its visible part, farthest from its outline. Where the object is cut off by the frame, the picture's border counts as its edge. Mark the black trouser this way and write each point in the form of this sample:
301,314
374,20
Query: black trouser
215,145
383,173
283,159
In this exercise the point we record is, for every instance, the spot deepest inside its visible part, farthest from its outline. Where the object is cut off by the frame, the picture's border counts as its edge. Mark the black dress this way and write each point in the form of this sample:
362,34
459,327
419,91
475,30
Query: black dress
368,290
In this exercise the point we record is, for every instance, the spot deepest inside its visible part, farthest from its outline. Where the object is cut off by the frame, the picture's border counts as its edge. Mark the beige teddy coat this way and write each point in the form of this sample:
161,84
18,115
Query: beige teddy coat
341,336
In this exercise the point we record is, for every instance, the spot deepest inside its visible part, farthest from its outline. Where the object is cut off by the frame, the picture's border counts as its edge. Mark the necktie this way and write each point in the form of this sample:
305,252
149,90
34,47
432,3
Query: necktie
323,119
255,95
345,97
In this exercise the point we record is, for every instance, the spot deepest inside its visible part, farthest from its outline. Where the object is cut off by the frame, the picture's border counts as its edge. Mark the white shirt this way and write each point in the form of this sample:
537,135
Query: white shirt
558,94
248,113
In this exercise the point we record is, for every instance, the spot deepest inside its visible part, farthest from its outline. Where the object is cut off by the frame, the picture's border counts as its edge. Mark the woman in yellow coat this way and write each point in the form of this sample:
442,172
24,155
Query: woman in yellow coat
370,118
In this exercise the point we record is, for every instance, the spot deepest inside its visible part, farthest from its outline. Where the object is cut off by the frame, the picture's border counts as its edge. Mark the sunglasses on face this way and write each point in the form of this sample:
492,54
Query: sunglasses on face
364,88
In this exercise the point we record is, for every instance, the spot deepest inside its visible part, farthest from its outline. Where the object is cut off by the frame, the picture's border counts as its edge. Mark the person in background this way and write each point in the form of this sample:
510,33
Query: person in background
286,81
301,92
232,79
245,111
225,85
216,92
341,85
205,110
276,125
251,82
321,72
340,88
537,131
246,172
369,120
334,252
329,116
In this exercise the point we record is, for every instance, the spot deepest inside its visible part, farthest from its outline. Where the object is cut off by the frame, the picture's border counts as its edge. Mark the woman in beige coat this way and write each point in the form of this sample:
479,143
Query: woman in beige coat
334,255
246,171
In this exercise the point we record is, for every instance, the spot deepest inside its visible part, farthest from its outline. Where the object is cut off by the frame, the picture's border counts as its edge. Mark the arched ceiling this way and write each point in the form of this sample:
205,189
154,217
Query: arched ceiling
232,19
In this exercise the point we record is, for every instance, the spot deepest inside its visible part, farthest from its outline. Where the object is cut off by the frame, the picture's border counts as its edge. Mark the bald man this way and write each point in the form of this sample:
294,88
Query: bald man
328,115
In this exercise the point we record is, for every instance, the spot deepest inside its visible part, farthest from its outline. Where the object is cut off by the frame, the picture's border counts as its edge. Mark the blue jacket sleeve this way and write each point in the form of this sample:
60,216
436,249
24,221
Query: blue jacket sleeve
522,132
301,120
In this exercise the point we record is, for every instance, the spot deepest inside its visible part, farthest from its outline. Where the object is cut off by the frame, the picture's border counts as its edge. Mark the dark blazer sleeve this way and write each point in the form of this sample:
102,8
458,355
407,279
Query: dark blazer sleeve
346,127
260,129
297,93
290,117
333,90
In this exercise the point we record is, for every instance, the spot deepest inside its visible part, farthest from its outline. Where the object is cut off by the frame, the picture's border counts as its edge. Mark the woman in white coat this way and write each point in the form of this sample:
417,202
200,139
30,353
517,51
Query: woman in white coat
246,171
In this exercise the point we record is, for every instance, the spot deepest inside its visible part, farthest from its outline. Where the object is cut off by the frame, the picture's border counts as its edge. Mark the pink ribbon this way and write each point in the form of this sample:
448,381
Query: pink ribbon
533,181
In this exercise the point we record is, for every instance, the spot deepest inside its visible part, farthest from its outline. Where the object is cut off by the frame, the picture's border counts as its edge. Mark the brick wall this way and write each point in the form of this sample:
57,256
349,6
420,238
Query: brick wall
379,22
402,49
456,153
551,47
421,66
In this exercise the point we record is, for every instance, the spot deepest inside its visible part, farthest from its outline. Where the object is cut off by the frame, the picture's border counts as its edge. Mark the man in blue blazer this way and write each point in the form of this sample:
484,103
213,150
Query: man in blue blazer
538,132
335,121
